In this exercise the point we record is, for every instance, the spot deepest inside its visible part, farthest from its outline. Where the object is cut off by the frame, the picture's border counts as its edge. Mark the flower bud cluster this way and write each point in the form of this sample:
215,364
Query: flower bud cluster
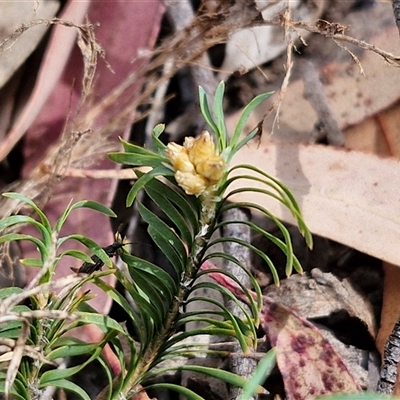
197,166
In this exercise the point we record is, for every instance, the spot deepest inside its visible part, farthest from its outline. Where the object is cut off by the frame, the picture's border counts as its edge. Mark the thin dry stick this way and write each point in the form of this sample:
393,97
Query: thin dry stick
285,17
314,93
335,31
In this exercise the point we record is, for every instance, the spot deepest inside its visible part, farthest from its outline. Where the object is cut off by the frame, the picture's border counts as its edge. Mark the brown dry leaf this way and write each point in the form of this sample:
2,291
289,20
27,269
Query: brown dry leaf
346,196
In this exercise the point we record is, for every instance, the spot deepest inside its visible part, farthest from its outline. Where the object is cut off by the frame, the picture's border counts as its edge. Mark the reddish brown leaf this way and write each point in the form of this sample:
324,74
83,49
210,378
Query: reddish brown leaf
309,365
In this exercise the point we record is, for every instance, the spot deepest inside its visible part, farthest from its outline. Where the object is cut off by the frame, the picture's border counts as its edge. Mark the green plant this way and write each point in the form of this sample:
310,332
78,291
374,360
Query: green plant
190,186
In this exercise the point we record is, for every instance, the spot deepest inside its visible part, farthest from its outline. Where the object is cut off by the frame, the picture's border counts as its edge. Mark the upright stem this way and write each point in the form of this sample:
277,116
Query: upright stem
207,217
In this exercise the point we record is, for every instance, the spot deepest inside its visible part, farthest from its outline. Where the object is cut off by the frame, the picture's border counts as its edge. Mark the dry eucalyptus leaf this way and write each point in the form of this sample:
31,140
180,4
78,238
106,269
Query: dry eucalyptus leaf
18,47
321,295
346,196
250,47
56,56
352,96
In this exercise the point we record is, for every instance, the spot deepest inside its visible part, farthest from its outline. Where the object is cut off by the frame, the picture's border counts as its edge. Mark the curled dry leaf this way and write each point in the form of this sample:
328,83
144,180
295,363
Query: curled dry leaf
309,365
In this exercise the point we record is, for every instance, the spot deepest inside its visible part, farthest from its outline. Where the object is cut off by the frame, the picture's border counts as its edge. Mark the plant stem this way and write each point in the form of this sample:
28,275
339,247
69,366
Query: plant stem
207,217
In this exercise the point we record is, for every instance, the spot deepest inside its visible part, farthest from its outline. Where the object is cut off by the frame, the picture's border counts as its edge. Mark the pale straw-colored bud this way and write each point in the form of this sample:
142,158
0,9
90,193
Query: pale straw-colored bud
191,183
179,158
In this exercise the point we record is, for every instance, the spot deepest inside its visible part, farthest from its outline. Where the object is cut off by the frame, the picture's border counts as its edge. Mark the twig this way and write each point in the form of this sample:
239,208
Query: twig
285,17
391,356
242,366
98,173
396,12
335,31
314,93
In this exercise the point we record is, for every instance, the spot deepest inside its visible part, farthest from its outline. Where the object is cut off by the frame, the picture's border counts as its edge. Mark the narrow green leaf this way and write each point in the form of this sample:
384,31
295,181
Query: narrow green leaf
138,150
19,236
69,386
136,320
163,279
205,111
172,213
153,292
253,249
26,200
219,374
242,143
8,291
63,217
167,240
144,179
158,145
135,160
222,135
262,371
245,116
31,262
103,322
119,299
149,312
94,205
197,318
18,390
158,130
77,254
49,378
208,330
189,208
14,220
243,332
190,395
8,333
287,198
255,305
275,240
91,245
74,348
22,219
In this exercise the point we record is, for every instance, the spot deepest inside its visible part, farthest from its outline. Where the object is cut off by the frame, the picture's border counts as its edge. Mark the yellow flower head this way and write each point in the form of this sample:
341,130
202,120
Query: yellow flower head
197,166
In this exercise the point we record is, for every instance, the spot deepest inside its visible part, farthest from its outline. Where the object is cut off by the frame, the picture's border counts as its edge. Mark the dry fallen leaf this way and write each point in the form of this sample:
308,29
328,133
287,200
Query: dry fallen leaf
323,294
309,365
250,47
15,48
345,195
